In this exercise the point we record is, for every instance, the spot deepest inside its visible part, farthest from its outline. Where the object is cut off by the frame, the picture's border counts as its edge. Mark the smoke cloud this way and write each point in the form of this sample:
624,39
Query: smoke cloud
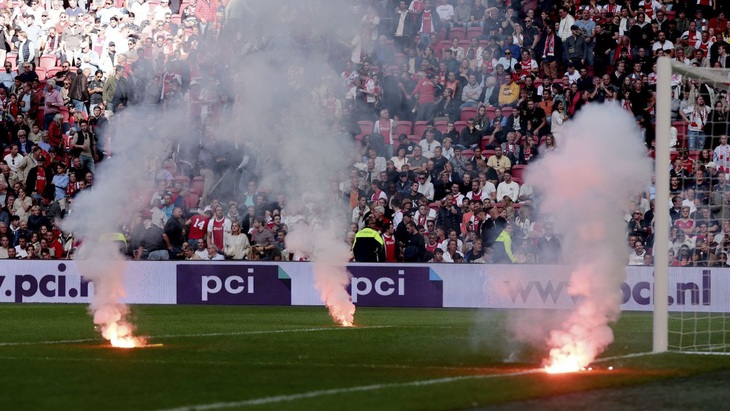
288,67
600,164
331,278
261,85
123,188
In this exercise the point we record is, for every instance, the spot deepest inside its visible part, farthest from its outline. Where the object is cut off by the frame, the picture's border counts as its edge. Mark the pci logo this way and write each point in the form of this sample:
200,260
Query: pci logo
549,292
685,293
233,285
51,287
396,287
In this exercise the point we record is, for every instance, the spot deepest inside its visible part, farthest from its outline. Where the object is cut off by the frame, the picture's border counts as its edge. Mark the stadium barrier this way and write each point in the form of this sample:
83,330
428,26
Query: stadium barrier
412,285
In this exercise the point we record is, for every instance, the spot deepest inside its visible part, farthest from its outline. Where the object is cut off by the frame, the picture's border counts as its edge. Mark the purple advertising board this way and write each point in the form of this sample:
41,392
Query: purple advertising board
232,284
395,286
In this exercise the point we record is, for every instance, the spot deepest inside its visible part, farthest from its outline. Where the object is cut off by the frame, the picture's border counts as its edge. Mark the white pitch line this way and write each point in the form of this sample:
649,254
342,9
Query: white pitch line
252,363
11,344
336,391
620,357
295,330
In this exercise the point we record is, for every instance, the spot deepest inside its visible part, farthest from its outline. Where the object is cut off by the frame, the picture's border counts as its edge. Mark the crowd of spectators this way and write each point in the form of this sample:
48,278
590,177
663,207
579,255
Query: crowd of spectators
447,103
70,68
487,87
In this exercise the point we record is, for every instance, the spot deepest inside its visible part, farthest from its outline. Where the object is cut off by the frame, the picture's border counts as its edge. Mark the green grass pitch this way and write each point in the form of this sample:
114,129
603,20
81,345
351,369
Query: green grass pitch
294,358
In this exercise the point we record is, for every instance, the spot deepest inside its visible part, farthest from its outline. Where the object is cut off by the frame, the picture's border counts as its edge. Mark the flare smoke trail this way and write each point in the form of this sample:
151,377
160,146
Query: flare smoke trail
286,72
331,278
138,149
273,65
600,163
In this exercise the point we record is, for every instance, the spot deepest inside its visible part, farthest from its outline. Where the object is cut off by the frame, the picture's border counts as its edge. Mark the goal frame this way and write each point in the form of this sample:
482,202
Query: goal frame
665,68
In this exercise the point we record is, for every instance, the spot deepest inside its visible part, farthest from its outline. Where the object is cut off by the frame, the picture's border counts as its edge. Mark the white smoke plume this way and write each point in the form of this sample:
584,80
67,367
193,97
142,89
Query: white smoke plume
266,75
600,163
120,182
102,264
331,278
285,70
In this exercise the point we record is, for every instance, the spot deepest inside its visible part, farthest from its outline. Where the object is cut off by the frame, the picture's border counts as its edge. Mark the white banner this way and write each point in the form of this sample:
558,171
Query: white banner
413,285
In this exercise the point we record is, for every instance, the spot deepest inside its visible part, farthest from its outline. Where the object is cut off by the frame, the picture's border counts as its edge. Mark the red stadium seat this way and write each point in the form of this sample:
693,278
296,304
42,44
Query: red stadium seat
185,180
467,154
459,125
414,138
366,127
419,128
440,47
176,19
518,171
491,112
681,127
457,33
65,114
51,73
403,127
13,58
468,113
487,153
472,32
47,62
41,72
441,125
192,200
197,184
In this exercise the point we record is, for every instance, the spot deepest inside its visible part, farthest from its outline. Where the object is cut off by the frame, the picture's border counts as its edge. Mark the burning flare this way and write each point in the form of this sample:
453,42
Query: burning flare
563,362
103,265
111,321
331,278
600,165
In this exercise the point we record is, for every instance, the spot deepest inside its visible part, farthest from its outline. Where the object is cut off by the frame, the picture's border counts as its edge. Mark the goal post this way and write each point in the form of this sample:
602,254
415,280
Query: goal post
660,326
692,327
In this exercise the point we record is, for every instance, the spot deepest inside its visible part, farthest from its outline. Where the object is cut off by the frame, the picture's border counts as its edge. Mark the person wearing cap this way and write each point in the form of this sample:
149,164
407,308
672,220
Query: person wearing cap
88,58
108,58
574,48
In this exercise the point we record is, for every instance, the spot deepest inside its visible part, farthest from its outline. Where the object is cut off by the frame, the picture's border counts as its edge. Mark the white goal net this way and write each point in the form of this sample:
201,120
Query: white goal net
699,205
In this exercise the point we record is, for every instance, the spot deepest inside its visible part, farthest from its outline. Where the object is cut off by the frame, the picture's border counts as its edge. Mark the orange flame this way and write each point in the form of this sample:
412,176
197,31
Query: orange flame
120,335
111,320
346,318
566,359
